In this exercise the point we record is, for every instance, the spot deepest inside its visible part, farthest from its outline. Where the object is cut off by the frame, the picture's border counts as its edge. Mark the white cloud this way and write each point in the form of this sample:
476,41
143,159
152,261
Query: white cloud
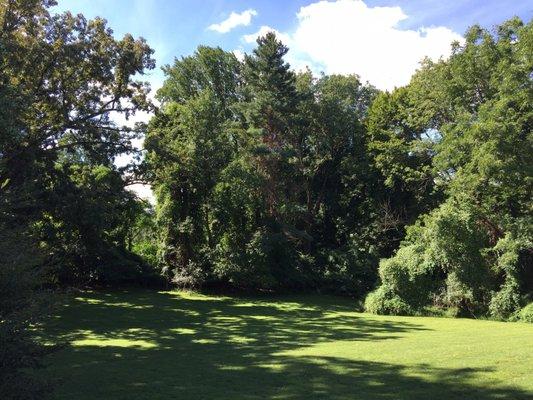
347,36
235,19
239,53
263,31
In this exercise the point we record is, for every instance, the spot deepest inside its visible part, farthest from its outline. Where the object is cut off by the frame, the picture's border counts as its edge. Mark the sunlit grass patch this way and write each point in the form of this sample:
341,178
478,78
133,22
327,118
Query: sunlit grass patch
183,331
107,342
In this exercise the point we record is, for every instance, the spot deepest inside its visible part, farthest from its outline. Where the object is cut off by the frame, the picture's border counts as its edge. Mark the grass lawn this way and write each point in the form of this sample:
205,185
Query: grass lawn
177,345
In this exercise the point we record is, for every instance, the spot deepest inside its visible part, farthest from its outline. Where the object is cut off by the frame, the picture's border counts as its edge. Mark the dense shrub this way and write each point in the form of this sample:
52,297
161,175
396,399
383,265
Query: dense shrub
383,300
348,270
408,275
525,314
440,261
509,252
23,304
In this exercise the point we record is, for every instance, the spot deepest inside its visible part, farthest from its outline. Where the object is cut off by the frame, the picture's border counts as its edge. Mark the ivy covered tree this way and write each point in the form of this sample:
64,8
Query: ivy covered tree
473,253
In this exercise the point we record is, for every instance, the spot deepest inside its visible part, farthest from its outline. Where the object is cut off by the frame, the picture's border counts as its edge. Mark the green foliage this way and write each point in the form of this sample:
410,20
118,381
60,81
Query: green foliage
525,314
511,260
238,206
385,301
477,244
66,77
188,148
24,302
21,307
142,235
401,143
64,210
349,270
261,175
90,235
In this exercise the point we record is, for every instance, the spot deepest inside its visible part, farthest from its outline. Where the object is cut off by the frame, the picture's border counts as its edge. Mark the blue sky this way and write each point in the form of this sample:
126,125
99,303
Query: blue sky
176,27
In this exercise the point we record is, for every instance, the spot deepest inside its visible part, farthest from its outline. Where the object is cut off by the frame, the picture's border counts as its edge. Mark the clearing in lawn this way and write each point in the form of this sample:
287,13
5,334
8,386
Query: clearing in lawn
177,345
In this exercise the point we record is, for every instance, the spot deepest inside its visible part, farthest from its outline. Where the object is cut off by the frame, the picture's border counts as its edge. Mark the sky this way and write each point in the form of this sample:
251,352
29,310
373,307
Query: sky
382,41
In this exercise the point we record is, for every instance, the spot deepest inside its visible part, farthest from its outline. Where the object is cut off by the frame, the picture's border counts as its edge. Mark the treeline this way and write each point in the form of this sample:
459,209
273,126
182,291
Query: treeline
265,179
268,179
262,177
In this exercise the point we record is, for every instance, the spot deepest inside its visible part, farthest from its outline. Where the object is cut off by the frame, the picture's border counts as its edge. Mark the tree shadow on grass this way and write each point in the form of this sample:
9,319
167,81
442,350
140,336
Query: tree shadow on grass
146,345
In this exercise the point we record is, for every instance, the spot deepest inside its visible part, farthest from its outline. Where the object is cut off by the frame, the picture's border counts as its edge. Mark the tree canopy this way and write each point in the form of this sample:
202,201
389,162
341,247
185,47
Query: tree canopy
472,253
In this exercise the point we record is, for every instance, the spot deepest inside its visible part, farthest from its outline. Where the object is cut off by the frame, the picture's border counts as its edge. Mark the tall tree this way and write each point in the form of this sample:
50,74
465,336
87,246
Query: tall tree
473,253
269,110
336,190
62,199
69,79
189,142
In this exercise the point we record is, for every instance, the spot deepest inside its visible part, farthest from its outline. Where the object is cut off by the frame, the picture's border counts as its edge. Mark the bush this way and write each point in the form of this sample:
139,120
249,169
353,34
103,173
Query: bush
409,276
349,270
506,301
384,301
457,297
190,277
442,260
266,261
244,266
525,314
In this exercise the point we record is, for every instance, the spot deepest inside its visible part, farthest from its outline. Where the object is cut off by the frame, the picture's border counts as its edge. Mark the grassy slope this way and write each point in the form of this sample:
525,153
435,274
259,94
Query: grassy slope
172,345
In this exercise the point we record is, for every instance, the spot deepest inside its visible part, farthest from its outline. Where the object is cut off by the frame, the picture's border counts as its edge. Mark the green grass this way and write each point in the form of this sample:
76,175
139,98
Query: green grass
176,345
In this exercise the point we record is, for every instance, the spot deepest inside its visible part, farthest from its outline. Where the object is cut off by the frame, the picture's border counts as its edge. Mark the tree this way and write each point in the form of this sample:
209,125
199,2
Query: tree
401,144
68,77
337,192
269,107
189,143
474,251
62,199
